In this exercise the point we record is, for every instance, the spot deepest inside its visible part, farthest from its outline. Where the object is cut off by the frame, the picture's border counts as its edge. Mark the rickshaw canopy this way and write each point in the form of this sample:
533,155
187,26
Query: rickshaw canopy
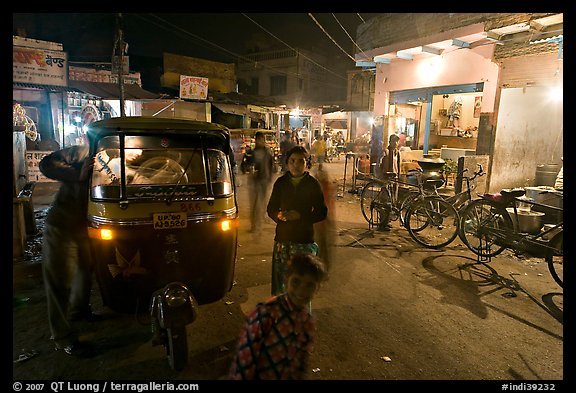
148,125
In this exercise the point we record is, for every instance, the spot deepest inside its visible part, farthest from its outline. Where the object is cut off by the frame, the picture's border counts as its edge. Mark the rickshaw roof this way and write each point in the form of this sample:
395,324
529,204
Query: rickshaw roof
152,125
251,131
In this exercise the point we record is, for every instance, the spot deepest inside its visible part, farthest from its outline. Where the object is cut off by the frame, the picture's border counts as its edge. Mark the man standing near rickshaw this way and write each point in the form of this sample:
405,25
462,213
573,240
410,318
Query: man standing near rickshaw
67,263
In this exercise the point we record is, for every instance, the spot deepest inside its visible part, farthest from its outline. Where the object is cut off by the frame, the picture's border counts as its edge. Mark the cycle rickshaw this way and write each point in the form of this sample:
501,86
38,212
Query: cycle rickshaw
163,220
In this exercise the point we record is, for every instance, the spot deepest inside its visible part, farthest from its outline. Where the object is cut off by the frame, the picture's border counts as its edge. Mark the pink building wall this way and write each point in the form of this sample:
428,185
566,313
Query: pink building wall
461,66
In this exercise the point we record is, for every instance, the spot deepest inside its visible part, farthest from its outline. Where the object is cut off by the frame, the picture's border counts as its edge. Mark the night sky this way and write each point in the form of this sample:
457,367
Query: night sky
212,36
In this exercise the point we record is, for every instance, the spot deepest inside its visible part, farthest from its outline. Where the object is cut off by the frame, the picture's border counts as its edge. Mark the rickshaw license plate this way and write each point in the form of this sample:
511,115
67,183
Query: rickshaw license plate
175,220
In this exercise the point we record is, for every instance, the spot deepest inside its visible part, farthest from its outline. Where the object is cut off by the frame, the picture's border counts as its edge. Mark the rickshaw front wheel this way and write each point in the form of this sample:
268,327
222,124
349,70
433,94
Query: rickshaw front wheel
177,347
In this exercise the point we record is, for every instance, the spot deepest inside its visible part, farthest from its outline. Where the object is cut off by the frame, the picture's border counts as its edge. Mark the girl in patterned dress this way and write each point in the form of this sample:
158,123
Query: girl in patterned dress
278,336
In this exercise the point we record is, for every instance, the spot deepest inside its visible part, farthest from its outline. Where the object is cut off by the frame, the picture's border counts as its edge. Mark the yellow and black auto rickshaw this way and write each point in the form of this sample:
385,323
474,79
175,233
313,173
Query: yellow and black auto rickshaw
163,219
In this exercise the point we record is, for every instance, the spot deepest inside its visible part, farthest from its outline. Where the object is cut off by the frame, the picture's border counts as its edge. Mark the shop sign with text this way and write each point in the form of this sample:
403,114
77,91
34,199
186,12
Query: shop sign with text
39,66
193,87
33,158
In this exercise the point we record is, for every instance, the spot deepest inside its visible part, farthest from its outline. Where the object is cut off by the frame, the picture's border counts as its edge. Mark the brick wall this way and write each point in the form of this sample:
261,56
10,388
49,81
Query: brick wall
390,28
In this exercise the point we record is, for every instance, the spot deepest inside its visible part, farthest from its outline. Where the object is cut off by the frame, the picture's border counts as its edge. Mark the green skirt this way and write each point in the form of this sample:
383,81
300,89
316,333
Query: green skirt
282,253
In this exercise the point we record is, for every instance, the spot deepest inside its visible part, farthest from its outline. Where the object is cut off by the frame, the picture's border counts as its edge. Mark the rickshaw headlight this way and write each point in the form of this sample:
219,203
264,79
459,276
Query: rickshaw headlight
176,296
225,225
106,234
100,233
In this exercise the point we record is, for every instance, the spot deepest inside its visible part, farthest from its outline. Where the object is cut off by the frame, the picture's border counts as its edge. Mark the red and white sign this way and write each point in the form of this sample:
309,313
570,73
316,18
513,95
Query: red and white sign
39,66
193,87
33,158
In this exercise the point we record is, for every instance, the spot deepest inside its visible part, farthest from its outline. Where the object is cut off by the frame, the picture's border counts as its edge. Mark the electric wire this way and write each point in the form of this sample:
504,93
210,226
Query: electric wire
351,39
235,55
301,54
329,36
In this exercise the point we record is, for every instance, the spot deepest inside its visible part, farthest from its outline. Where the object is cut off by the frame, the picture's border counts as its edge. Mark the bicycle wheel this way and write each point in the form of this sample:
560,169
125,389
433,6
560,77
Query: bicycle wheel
484,216
409,199
555,259
432,222
374,202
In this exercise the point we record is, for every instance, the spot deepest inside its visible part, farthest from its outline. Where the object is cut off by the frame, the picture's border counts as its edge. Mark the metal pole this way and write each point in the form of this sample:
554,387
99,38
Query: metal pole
120,47
63,123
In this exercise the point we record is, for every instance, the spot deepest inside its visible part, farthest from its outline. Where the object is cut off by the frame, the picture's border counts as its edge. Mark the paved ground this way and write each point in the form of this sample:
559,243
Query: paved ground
391,311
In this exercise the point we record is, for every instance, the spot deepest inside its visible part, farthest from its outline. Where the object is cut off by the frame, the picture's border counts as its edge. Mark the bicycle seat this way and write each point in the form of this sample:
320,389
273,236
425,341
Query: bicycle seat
513,192
504,196
389,175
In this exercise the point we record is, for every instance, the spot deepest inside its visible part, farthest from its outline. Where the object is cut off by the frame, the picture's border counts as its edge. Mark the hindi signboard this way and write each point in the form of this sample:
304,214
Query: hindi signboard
39,66
33,158
193,87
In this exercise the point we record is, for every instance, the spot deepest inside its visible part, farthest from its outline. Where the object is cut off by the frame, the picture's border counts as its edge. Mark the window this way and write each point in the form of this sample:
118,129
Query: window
154,172
278,85
254,85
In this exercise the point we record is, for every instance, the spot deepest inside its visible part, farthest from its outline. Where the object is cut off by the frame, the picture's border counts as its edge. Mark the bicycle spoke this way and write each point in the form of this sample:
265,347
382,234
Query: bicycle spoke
480,225
432,222
555,259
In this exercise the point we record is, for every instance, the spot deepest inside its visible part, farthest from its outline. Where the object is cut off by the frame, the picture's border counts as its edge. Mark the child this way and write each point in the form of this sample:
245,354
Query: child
277,339
296,204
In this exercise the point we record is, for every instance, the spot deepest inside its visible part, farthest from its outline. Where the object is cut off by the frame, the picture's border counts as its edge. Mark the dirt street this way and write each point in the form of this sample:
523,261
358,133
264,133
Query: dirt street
391,311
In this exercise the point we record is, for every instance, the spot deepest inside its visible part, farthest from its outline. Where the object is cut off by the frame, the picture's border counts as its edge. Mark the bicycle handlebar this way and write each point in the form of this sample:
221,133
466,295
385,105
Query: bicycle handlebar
479,172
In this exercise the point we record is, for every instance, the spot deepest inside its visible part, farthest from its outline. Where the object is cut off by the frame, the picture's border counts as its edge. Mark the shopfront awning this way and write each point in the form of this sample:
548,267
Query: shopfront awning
239,110
111,91
50,88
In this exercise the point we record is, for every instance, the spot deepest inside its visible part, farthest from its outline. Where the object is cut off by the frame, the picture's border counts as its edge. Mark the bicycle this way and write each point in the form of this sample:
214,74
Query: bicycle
430,220
490,224
384,200
461,199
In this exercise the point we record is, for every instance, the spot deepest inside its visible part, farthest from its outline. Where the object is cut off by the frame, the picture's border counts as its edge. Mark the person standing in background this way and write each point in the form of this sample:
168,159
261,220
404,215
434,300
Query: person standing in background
319,149
286,144
391,156
295,205
390,163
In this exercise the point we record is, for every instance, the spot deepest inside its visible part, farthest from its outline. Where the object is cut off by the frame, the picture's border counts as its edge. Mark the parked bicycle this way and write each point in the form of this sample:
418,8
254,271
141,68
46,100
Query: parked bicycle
461,199
430,220
386,199
491,224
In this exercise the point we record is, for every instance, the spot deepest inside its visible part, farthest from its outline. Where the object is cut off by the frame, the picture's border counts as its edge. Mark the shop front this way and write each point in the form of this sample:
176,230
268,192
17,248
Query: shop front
471,84
442,121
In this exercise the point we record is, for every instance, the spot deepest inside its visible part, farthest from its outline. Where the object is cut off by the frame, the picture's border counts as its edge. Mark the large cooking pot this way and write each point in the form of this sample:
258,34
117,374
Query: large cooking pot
539,195
432,172
528,221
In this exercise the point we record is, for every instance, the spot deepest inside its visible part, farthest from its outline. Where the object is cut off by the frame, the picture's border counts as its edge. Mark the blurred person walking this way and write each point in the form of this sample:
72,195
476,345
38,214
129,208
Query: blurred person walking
67,263
324,231
260,181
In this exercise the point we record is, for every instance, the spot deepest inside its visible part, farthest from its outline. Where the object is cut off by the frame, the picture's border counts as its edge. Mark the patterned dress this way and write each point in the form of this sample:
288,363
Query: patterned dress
275,343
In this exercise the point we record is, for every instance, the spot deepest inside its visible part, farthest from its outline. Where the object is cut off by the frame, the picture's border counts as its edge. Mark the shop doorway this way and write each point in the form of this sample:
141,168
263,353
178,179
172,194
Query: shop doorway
419,105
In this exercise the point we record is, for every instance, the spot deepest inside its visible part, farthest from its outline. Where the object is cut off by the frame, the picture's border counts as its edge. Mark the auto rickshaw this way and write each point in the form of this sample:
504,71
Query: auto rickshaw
163,220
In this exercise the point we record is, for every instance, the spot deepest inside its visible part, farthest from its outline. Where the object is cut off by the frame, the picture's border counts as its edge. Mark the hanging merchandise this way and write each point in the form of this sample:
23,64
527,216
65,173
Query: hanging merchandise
454,112
477,105
21,121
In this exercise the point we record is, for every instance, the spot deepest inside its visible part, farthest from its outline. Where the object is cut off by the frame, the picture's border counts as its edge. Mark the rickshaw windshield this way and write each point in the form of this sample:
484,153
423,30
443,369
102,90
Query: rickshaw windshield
157,169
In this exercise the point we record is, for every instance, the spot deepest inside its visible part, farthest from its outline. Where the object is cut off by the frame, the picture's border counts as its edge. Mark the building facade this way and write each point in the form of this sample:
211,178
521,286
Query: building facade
470,81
